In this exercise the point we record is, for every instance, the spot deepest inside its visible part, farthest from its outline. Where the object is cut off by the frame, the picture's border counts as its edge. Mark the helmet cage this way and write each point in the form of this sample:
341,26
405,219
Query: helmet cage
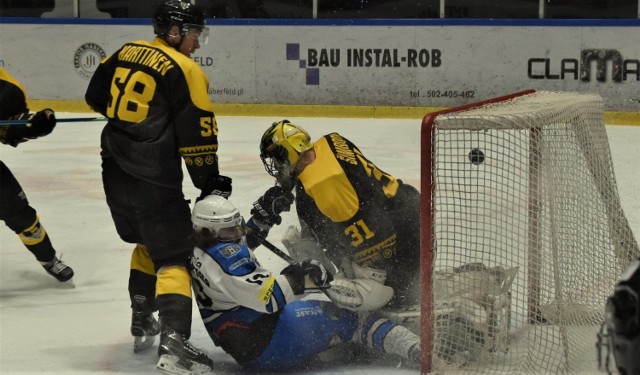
281,146
275,161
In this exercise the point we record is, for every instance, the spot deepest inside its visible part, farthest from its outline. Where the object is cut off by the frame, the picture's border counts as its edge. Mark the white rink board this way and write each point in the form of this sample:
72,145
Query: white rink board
388,65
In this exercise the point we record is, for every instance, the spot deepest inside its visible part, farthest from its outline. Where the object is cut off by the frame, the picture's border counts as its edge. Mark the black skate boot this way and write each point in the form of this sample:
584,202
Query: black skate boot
178,356
58,269
144,328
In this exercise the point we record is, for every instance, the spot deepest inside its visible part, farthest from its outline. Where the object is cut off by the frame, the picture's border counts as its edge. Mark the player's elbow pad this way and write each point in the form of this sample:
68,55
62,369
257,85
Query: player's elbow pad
359,294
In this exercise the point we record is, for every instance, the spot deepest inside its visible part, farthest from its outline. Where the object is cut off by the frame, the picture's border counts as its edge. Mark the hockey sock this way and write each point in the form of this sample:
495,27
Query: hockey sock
37,241
173,298
142,280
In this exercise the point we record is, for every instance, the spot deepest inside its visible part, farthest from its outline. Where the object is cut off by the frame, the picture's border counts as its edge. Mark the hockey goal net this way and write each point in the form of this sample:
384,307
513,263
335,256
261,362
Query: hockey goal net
523,235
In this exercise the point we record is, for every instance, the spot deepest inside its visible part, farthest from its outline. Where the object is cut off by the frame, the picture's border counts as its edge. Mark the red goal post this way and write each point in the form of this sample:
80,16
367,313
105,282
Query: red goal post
518,189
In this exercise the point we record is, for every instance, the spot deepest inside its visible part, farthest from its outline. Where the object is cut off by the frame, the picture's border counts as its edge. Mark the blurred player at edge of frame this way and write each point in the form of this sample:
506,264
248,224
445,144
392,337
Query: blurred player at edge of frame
15,210
619,337
156,100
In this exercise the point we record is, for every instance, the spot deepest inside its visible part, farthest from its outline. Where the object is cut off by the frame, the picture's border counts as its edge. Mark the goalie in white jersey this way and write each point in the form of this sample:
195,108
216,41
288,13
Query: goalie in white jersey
257,315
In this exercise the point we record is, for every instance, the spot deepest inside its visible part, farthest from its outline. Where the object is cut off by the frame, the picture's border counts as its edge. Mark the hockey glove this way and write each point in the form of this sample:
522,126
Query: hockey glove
42,123
220,185
267,208
307,275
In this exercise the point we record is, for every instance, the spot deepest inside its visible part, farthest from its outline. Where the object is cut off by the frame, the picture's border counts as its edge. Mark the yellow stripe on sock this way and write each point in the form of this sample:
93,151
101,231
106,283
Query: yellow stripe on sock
173,280
141,260
34,234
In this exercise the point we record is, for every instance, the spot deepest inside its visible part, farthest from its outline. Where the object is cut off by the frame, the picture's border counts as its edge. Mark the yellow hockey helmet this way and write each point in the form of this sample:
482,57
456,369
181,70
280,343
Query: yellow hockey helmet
281,146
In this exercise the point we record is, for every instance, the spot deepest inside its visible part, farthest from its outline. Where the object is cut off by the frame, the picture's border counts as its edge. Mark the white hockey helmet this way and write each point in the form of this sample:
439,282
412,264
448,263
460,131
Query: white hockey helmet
219,216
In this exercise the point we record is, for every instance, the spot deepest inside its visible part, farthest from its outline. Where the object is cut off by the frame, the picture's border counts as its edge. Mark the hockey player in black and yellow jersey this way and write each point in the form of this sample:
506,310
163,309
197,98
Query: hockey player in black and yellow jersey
156,101
351,207
15,209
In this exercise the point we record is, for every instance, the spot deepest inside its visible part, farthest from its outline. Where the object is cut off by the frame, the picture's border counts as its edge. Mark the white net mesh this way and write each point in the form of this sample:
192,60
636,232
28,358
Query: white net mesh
523,189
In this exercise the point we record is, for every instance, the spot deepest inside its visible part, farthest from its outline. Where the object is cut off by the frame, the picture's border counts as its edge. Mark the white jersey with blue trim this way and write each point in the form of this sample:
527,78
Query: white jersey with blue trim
227,276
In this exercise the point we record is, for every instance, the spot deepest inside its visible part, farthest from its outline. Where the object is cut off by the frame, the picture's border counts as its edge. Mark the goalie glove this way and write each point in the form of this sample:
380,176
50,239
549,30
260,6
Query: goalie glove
267,209
307,275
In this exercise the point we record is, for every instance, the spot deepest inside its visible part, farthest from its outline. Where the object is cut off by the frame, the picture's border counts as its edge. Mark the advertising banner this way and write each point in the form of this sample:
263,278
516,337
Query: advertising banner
395,65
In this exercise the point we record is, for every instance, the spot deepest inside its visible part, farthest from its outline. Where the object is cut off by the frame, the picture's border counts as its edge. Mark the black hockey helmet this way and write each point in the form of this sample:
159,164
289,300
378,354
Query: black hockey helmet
176,12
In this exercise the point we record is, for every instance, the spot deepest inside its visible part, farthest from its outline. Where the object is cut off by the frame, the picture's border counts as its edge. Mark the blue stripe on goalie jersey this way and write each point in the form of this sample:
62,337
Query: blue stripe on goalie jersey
234,259
305,329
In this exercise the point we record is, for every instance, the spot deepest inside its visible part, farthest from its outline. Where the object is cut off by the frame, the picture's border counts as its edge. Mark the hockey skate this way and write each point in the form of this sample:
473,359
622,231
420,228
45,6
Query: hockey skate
144,328
384,336
178,356
58,269
404,343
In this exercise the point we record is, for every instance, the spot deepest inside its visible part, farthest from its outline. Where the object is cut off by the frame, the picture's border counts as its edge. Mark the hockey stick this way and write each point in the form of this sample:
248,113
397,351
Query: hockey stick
76,119
309,285
277,251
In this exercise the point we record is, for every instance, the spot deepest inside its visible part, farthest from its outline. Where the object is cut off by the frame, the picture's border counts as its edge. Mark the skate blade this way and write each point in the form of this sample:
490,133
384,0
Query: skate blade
170,365
141,343
69,284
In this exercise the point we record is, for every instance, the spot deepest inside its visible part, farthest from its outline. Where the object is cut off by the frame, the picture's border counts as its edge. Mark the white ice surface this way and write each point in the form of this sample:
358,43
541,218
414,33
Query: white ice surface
50,327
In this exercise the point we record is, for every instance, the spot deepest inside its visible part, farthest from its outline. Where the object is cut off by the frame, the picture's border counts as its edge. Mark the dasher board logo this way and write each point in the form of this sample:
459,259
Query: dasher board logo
87,58
365,57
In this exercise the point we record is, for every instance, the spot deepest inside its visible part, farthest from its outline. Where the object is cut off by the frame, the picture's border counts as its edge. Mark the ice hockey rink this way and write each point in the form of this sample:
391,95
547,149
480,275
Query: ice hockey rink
83,327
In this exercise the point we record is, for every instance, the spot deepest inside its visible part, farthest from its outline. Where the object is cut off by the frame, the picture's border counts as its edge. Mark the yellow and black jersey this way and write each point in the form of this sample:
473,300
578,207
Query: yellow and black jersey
344,199
13,104
13,97
157,103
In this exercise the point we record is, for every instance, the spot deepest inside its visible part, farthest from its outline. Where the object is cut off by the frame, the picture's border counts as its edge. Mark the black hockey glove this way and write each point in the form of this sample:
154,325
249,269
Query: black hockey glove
42,123
267,208
307,275
220,185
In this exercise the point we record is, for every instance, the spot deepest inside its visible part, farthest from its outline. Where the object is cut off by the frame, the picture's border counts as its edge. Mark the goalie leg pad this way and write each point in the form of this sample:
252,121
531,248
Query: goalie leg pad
359,294
374,274
472,312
